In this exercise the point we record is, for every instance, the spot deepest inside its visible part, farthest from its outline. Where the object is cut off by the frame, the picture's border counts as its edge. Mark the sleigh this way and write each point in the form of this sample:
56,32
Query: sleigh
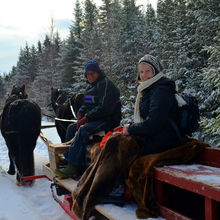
183,192
63,188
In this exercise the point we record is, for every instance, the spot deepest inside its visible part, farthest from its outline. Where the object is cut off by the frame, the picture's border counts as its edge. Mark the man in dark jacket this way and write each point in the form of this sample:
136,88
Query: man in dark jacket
101,110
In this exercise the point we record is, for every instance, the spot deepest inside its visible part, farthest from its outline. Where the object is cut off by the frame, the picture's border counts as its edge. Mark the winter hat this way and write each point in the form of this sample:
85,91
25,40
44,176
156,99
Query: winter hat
153,62
92,65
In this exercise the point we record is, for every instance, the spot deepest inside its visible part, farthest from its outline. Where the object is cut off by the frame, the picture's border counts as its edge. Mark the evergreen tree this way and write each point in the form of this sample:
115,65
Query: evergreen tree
23,75
76,28
90,40
69,62
131,50
211,83
151,32
110,14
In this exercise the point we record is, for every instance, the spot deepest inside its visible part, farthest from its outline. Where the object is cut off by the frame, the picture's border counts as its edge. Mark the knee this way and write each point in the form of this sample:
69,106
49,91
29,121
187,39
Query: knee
83,130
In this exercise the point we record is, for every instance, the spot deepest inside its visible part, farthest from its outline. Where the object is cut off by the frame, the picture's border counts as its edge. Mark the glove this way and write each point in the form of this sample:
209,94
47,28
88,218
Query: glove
79,115
80,122
125,129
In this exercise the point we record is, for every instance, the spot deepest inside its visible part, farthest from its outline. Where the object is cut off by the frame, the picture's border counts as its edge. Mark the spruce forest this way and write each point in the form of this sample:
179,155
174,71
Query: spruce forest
184,34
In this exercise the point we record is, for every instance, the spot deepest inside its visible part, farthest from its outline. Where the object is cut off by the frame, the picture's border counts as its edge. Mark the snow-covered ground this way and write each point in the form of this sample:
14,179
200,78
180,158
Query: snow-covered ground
30,203
36,202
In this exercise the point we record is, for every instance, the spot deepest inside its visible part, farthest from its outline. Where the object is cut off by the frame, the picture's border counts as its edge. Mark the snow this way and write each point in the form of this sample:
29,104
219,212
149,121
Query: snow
31,203
201,173
36,202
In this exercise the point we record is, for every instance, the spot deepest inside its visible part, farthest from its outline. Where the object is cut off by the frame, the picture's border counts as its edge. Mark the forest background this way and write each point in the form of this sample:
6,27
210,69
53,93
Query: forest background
184,34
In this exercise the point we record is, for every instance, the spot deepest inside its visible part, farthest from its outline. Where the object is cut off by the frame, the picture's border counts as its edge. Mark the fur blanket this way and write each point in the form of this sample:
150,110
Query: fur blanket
109,168
140,179
113,163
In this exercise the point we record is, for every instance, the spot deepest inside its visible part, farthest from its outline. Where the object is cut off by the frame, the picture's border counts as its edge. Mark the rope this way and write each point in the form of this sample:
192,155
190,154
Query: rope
68,120
71,107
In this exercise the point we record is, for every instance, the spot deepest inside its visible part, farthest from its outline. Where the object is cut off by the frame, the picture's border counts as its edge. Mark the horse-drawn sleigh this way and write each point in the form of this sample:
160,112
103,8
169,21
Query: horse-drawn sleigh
184,191
181,192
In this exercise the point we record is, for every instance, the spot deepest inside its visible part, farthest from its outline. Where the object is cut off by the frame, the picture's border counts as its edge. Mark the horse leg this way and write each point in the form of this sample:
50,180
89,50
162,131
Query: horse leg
11,170
25,162
11,153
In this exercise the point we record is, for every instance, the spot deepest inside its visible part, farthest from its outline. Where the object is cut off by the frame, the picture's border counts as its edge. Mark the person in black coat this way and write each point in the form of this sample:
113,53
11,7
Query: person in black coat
101,110
155,107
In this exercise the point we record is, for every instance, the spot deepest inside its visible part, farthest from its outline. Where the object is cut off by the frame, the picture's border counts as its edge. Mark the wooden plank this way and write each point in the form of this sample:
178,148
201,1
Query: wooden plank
58,148
210,209
69,184
171,214
47,171
192,180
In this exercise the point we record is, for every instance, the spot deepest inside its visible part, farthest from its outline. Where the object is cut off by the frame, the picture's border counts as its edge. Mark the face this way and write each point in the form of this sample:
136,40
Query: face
145,71
92,76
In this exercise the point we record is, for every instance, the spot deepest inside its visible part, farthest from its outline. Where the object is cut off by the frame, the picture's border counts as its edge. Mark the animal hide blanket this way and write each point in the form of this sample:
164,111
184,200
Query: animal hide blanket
113,164
109,168
140,179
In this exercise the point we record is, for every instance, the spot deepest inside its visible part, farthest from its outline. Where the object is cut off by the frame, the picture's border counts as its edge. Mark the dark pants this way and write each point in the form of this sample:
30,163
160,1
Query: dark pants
70,132
77,150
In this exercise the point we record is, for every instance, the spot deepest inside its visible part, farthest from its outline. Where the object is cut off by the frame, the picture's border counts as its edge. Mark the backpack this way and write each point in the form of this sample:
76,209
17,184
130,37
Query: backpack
188,117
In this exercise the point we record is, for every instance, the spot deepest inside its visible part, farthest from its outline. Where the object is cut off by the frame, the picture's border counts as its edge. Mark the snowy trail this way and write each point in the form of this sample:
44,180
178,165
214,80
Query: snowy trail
31,203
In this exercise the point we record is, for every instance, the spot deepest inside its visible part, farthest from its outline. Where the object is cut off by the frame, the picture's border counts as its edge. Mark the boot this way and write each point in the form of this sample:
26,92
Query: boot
62,161
68,172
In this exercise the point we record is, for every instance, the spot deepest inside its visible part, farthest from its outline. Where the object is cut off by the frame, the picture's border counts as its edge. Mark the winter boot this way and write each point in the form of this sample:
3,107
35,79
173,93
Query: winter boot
70,171
62,161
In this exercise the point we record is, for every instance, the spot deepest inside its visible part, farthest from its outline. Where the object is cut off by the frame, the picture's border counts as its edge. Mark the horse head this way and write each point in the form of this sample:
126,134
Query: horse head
17,92
57,97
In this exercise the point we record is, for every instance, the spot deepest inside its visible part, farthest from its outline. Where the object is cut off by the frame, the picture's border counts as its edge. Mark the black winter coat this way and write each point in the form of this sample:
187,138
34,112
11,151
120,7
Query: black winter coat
157,106
102,102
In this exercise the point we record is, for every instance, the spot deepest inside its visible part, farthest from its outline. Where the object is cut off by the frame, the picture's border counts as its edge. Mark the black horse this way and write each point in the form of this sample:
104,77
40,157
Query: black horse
20,127
65,108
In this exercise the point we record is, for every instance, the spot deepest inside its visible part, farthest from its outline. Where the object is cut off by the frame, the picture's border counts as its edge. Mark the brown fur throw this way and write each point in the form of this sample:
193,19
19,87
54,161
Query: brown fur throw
111,165
140,179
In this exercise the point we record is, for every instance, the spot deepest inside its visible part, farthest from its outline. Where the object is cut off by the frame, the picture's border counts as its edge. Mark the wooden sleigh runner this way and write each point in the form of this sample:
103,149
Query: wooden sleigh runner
182,191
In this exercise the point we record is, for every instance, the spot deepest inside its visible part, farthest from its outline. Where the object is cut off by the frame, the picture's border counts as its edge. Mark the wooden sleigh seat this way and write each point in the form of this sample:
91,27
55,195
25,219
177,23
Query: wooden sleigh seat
55,150
190,191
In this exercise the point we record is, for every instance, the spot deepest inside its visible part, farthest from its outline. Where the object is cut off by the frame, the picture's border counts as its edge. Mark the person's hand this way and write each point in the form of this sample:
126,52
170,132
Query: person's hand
125,129
80,122
79,115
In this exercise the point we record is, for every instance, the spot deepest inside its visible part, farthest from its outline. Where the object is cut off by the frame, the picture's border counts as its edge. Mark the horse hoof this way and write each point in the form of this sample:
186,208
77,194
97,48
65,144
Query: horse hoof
11,172
25,183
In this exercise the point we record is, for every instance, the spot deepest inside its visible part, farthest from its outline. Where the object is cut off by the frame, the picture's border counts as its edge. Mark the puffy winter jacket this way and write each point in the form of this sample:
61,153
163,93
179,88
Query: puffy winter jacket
157,106
102,101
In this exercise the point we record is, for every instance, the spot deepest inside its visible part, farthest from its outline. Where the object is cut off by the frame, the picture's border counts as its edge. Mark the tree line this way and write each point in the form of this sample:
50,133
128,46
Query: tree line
184,34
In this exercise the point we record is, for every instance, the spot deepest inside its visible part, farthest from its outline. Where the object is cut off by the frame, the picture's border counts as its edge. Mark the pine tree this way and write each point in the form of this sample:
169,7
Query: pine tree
69,62
90,39
211,123
23,75
110,14
151,32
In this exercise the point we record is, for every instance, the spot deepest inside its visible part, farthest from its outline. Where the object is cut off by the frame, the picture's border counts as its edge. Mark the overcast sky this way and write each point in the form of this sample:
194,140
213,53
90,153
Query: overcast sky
28,21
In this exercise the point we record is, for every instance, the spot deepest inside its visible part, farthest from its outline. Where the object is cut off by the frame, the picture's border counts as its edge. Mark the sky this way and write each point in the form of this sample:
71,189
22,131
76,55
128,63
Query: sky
30,20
